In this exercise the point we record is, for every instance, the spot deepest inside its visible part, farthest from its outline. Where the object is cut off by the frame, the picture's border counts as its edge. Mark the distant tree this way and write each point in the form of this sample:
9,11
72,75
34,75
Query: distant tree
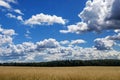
62,63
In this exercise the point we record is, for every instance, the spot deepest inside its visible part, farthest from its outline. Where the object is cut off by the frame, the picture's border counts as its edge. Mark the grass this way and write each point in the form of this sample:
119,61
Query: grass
59,73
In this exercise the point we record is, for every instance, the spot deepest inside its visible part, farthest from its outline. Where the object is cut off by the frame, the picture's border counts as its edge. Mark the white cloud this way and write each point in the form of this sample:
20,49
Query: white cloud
53,57
19,18
72,42
78,28
15,17
44,19
28,51
7,32
64,42
78,41
28,46
65,53
117,30
5,40
47,43
6,3
114,37
18,11
104,43
97,15
3,3
51,49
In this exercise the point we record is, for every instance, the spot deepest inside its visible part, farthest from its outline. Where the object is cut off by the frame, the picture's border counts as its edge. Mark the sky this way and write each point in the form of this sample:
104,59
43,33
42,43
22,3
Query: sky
47,30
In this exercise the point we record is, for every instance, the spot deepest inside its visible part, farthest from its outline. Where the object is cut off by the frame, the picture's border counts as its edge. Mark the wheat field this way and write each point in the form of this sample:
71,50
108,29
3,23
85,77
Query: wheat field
59,73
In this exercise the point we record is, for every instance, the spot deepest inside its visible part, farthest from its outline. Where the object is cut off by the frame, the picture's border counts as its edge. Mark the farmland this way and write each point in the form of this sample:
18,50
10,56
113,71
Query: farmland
60,73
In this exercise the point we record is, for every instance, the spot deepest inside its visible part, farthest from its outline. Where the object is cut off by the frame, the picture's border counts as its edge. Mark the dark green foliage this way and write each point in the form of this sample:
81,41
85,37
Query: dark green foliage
63,63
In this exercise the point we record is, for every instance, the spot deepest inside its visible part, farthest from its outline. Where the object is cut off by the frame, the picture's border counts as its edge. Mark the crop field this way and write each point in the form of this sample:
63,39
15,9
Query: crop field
60,73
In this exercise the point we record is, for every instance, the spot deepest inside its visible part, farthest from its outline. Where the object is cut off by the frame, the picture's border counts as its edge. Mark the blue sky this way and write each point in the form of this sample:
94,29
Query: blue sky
67,9
57,30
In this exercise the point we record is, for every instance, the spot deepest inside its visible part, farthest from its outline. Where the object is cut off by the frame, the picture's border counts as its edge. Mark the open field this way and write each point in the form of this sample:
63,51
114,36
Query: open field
59,73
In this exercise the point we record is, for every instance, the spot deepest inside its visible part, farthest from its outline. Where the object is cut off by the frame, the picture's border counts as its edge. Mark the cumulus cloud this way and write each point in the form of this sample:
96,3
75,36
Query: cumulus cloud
6,39
81,53
97,15
114,37
47,43
51,49
104,43
77,28
4,43
114,11
8,32
39,19
44,19
24,47
26,50
72,42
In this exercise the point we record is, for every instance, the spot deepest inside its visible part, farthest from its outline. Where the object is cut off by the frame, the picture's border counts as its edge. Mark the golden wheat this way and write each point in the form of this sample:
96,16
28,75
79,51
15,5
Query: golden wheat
59,73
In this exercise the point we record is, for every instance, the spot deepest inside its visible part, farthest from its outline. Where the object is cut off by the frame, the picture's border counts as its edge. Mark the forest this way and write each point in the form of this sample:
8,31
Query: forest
66,63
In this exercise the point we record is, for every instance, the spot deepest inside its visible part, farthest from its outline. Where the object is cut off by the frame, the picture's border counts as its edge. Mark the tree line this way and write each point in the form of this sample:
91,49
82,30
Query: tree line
66,63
